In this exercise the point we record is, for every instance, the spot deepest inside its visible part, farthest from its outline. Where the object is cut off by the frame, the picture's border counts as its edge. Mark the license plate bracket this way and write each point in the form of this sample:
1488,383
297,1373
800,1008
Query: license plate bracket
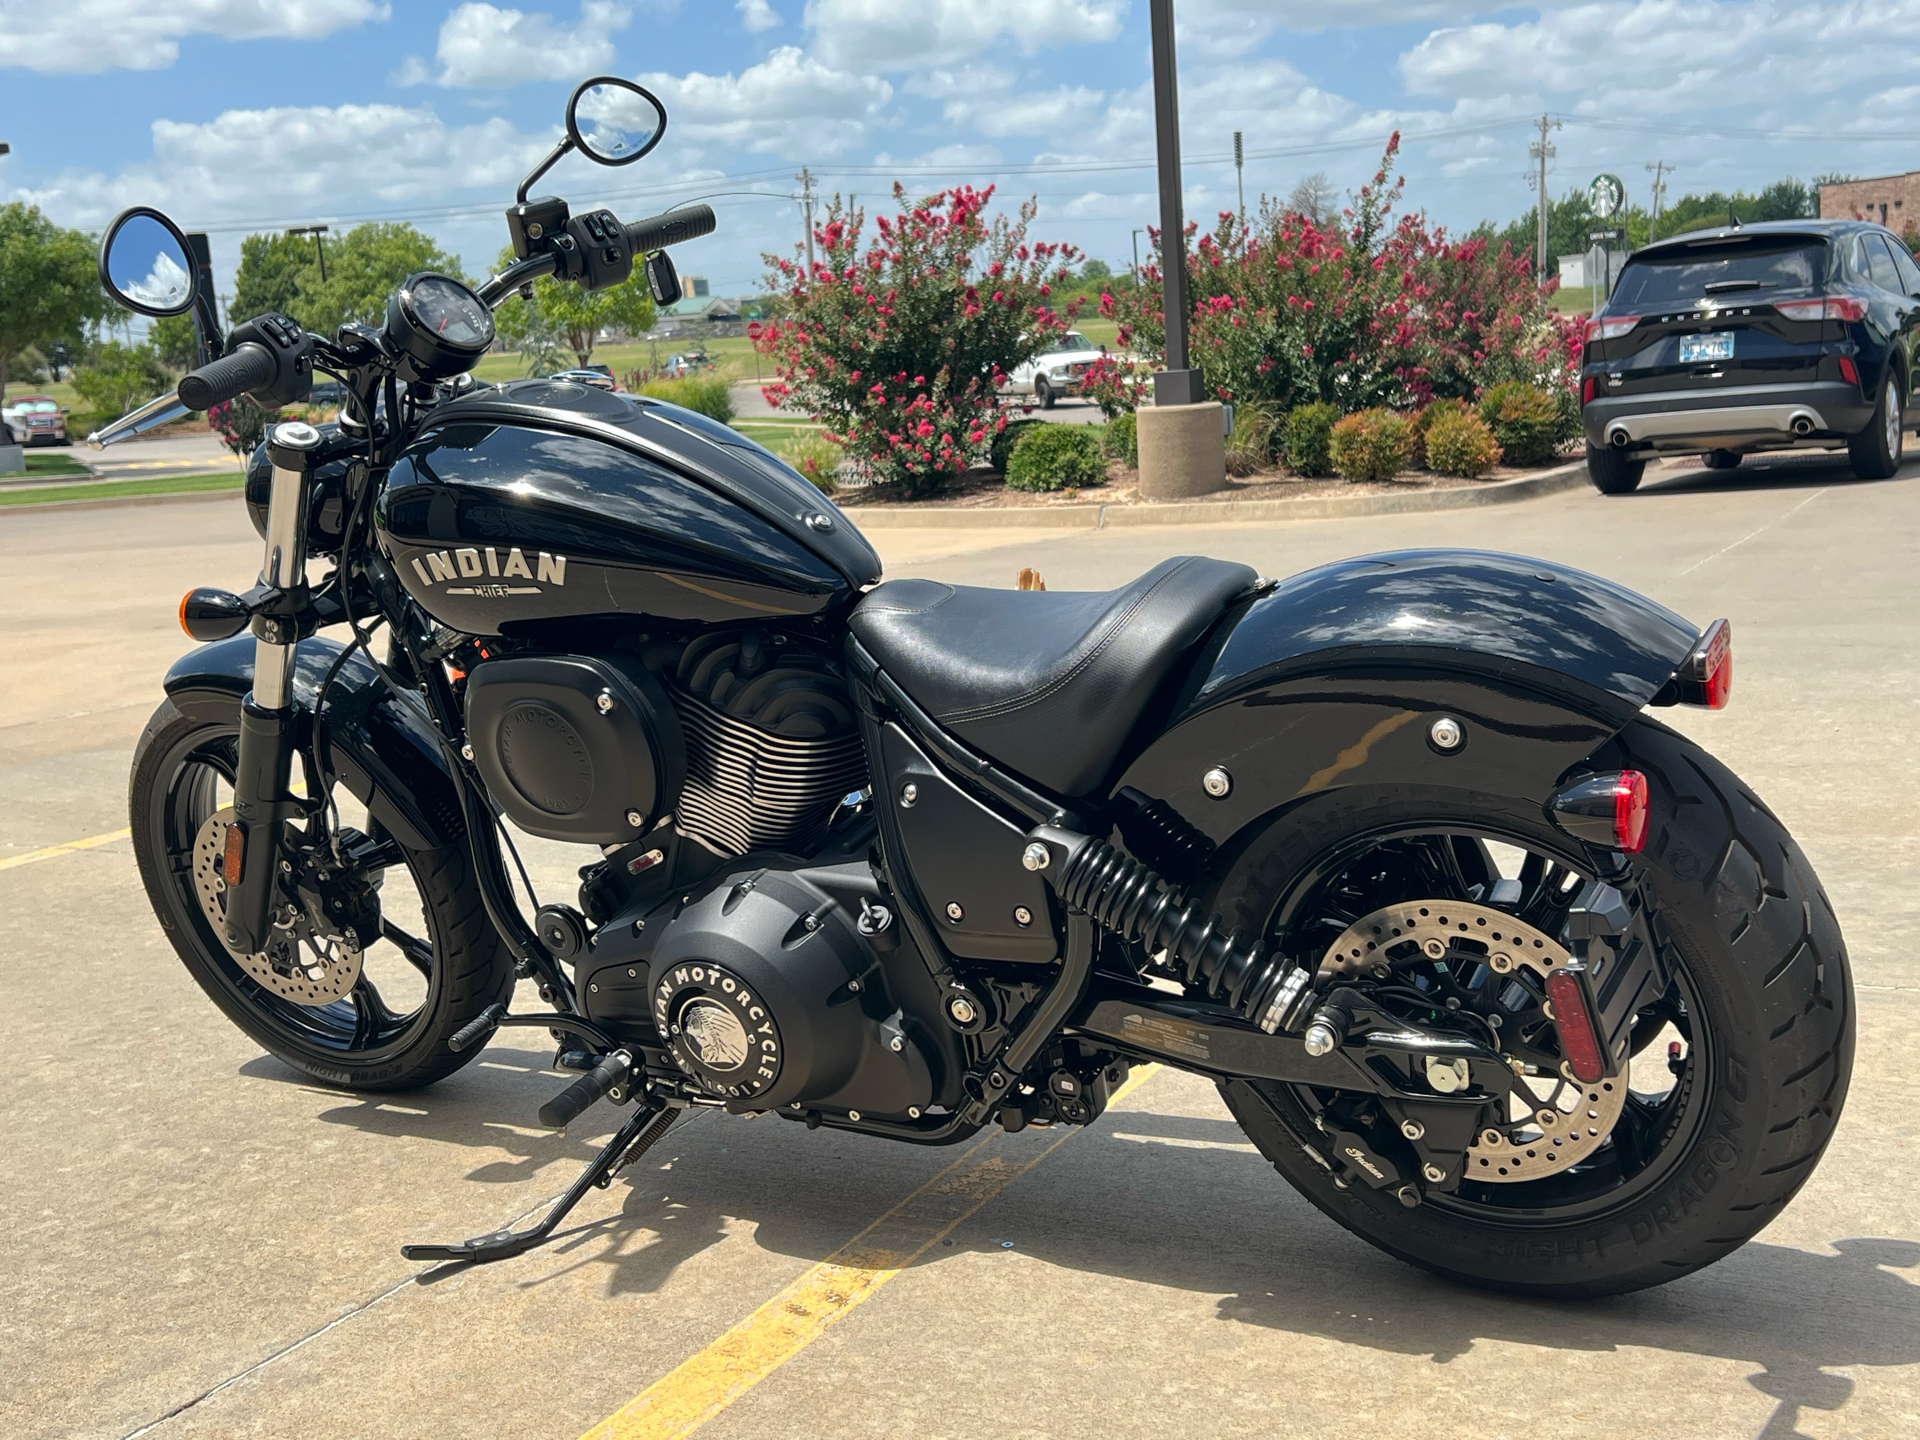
1703,349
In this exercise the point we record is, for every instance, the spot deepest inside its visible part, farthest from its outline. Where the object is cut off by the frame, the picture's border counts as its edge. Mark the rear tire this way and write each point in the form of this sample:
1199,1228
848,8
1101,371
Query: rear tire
1043,393
1772,1024
1721,460
1612,472
1876,451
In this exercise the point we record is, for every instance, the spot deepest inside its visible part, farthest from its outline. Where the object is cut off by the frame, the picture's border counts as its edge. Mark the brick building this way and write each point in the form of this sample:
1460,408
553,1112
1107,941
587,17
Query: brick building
1892,200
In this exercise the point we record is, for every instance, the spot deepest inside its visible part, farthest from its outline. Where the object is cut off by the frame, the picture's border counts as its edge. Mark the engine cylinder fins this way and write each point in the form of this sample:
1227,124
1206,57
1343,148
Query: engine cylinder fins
1120,894
750,789
1433,929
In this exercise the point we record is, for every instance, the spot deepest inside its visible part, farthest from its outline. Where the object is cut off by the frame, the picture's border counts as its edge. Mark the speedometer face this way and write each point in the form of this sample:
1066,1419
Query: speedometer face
451,313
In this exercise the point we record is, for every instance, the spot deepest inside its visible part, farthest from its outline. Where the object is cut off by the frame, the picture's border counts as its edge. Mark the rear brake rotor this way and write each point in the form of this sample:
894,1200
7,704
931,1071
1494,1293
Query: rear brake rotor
1553,1122
328,970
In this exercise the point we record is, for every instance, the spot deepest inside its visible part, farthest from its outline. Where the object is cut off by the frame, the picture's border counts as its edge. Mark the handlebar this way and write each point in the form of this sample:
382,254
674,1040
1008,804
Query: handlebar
656,232
248,367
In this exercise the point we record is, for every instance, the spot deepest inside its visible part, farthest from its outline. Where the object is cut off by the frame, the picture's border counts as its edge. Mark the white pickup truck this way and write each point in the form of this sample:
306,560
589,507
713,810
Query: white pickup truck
1055,371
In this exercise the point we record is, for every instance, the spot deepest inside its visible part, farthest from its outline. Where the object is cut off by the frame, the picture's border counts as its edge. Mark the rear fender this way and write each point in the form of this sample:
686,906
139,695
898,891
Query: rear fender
382,747
1335,679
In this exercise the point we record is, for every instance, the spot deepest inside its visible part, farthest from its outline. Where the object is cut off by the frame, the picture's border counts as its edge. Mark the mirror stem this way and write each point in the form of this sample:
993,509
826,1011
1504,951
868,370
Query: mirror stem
558,153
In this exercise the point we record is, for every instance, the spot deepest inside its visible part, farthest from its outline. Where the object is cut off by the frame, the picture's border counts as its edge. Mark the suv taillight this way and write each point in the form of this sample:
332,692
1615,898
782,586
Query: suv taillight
1610,327
1834,307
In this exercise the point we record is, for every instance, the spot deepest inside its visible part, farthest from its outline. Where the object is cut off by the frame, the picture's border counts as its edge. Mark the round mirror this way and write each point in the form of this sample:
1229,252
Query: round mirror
144,263
614,121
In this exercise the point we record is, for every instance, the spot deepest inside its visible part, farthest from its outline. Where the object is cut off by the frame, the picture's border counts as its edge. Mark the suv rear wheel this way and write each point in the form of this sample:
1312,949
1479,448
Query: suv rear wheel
1876,451
1612,471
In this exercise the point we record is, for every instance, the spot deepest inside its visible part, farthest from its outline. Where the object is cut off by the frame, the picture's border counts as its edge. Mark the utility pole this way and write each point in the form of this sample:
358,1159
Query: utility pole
1240,182
806,200
319,248
1177,384
1658,169
1543,151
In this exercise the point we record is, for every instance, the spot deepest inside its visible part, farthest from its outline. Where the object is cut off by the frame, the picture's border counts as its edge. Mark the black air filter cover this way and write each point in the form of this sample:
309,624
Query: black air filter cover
573,747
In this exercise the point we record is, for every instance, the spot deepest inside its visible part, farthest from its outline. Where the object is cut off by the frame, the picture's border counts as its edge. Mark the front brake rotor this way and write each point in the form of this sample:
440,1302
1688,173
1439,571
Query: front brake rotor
326,974
1553,1122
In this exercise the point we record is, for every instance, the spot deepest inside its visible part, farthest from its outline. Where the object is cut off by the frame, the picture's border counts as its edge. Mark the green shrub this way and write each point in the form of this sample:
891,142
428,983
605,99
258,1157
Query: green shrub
1422,419
817,458
1056,457
1529,422
1461,443
707,394
1000,449
1120,438
1371,445
1305,439
1251,444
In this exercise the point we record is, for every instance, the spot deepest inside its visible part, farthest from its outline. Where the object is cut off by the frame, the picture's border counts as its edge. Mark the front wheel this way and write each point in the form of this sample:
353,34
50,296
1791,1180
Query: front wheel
1043,393
1739,1069
368,1006
1611,472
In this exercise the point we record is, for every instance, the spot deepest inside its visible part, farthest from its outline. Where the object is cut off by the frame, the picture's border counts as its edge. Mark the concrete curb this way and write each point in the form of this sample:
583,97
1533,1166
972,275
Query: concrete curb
1569,476
181,497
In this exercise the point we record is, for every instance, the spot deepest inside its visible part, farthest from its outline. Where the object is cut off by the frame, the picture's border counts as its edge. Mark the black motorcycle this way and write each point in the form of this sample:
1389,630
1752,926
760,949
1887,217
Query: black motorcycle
1501,973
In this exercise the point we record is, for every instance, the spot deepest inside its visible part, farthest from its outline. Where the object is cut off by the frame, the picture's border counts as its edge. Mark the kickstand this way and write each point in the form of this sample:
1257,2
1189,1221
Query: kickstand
629,1143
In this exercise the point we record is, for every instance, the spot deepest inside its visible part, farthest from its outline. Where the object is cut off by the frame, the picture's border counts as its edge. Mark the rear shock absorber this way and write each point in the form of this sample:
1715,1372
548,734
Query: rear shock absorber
1120,894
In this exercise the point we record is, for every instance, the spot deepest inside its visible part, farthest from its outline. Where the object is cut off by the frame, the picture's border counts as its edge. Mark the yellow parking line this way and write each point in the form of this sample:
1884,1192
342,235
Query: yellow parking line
67,849
684,1399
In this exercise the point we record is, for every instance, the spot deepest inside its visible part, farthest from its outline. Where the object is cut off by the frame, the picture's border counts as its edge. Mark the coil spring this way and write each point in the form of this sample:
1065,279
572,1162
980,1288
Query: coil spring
1120,894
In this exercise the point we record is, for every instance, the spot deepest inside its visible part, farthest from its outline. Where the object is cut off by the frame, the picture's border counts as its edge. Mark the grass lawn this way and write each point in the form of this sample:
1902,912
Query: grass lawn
119,489
53,462
1574,299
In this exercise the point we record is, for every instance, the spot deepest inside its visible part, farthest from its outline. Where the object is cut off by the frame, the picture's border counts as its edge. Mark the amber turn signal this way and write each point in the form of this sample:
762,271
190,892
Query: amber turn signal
210,614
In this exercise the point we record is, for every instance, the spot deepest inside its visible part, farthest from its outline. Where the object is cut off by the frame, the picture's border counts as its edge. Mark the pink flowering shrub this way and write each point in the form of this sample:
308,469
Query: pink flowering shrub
900,342
1365,312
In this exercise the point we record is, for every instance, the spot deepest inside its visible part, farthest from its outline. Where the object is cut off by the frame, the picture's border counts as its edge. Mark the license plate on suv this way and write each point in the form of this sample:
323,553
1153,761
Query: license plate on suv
1696,349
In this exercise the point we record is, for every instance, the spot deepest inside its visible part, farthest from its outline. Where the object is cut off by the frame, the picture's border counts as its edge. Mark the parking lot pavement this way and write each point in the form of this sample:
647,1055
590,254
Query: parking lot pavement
165,455
197,1242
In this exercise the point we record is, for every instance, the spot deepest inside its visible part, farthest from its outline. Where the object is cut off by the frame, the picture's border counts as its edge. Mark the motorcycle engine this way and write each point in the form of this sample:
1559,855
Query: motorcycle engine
767,996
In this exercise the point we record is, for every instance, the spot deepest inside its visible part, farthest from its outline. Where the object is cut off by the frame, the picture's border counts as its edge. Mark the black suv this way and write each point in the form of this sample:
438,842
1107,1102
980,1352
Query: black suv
1790,334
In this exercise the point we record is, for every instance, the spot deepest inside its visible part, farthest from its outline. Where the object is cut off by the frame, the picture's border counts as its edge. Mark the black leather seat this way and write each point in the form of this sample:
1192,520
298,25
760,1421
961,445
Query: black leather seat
1048,683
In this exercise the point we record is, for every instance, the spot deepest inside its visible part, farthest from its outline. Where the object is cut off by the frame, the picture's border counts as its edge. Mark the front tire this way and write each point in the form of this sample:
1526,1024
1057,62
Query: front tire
1876,451
1612,472
1767,1001
433,984
1043,393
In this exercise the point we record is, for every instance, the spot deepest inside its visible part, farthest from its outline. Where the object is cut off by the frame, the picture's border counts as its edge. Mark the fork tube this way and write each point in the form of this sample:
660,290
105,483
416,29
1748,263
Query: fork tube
261,802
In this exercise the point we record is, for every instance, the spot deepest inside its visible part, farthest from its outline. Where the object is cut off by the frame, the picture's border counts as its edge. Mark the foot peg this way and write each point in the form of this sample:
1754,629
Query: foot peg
642,1130
591,1087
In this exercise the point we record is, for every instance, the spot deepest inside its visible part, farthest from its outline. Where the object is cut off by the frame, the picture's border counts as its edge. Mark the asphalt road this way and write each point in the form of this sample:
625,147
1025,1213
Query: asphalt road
196,1242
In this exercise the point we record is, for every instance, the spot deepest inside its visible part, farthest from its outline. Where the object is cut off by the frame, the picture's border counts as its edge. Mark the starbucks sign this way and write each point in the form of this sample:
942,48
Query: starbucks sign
1607,196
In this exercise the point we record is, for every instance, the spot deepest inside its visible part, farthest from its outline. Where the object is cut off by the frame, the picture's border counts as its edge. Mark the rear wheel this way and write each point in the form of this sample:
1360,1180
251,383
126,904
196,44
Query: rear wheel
1042,393
1612,472
1721,460
1876,451
370,1007
1740,1068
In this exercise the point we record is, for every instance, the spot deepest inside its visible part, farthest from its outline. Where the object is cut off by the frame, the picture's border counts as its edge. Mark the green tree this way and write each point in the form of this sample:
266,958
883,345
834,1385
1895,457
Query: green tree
175,341
364,267
49,288
562,311
115,377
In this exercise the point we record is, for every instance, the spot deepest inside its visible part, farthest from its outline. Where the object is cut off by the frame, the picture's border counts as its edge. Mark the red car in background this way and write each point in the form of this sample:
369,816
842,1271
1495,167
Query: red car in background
35,420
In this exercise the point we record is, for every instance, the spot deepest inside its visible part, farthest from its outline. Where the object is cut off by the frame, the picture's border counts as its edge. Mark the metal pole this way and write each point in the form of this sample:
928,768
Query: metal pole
1240,182
806,200
1177,384
1136,257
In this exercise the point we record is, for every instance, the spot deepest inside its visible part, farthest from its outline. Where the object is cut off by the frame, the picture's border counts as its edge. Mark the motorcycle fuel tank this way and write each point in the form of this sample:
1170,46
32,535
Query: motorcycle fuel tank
543,500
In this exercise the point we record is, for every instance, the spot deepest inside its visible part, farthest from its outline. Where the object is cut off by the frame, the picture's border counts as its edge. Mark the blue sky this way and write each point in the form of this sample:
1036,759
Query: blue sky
253,114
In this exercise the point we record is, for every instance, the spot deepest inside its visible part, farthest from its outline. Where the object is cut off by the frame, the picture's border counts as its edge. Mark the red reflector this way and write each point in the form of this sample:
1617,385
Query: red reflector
1847,371
1579,1041
1587,388
236,852
1630,811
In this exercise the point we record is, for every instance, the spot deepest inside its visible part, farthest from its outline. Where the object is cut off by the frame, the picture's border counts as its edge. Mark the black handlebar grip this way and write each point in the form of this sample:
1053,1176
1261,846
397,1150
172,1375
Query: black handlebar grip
558,1112
478,1028
657,232
249,367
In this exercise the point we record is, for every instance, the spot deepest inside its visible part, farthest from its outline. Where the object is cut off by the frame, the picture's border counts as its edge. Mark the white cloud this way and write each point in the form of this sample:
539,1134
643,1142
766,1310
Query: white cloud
789,103
484,47
892,35
88,36
1045,112
756,15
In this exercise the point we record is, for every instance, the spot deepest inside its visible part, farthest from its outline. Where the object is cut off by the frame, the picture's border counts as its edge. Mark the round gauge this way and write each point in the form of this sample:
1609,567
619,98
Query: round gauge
440,325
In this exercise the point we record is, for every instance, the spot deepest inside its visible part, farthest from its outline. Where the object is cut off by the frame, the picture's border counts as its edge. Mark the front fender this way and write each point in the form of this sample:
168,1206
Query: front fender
383,747
1335,677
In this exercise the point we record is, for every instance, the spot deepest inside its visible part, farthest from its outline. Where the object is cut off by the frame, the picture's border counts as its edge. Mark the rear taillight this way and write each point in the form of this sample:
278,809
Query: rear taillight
1608,810
1834,307
1848,372
1705,677
1610,327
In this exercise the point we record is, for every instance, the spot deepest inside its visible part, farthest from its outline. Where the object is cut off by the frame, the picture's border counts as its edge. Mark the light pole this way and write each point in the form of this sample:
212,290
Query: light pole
319,247
1136,255
1240,182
